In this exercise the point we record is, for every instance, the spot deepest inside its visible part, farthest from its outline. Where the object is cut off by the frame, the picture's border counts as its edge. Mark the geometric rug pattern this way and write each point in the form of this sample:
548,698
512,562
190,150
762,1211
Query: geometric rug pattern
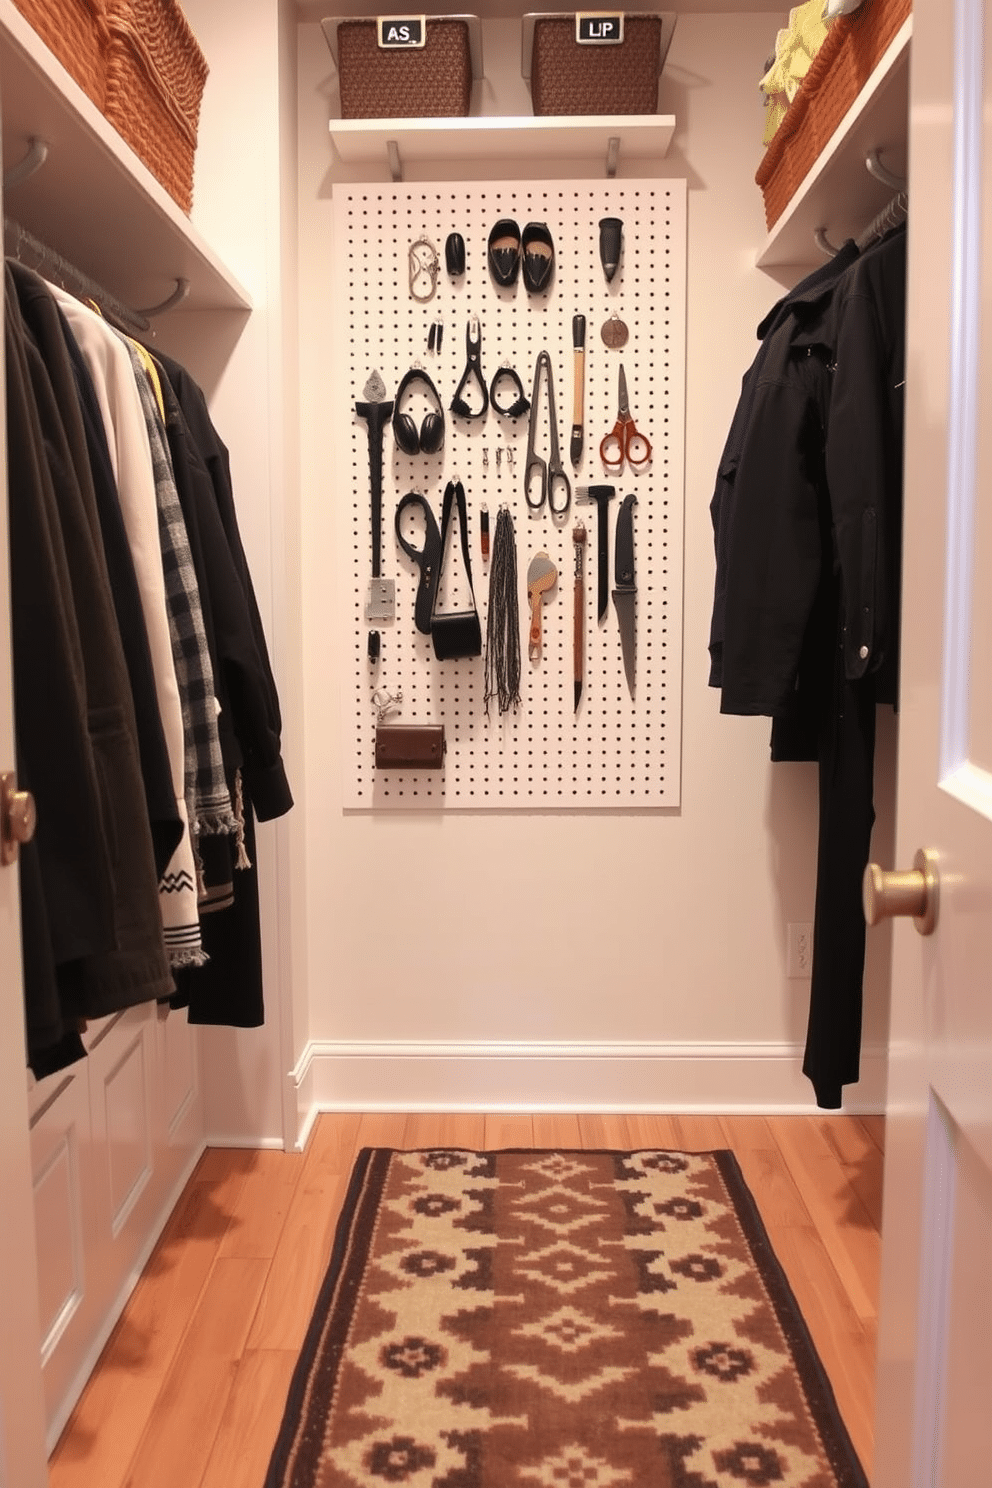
557,1319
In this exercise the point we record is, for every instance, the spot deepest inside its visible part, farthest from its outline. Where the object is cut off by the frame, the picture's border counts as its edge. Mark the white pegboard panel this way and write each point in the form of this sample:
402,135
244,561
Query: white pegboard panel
616,752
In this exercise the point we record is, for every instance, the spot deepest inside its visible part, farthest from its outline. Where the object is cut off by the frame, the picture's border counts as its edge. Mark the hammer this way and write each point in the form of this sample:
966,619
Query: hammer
602,496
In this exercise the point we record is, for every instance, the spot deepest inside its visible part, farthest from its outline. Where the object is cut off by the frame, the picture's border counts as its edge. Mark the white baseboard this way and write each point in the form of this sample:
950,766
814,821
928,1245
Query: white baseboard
607,1077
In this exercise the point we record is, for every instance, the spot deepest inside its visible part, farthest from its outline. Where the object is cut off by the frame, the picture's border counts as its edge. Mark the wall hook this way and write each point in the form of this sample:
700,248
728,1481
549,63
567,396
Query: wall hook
33,160
823,243
875,168
175,298
612,155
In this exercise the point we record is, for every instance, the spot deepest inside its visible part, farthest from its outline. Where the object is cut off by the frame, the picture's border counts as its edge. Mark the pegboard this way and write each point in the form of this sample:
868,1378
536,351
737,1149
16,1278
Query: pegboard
616,751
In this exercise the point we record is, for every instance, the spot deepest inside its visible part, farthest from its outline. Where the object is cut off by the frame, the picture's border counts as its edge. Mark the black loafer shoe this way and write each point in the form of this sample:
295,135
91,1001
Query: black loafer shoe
538,257
504,252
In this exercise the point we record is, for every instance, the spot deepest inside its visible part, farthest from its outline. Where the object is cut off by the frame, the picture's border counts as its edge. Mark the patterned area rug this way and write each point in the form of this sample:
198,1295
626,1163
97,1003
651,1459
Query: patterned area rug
557,1320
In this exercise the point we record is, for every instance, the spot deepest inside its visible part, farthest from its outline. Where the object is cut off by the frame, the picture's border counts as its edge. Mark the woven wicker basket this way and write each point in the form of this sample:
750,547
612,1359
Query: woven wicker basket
568,77
429,82
853,48
76,32
156,74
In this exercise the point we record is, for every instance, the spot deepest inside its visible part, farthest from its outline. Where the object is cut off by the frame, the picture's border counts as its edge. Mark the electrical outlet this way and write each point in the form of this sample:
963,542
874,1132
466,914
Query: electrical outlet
799,949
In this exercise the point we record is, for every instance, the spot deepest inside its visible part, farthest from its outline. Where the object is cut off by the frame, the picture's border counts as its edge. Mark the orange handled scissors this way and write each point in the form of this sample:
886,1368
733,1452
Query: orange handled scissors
623,441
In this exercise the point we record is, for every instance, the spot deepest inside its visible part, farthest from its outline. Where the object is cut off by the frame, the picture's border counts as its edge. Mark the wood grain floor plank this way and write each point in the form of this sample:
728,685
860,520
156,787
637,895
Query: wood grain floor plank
509,1129
197,1387
875,1127
698,1133
251,1421
144,1342
648,1130
260,1209
861,1160
853,1243
553,1129
431,1129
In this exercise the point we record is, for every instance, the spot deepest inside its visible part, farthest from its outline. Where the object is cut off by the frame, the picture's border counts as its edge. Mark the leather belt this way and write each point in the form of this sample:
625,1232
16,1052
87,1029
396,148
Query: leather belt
427,558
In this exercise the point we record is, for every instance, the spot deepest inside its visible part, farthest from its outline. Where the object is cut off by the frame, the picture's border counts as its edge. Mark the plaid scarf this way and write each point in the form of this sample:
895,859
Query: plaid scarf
208,801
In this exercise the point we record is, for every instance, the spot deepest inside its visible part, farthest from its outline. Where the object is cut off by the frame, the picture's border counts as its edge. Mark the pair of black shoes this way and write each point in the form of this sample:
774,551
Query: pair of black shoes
534,250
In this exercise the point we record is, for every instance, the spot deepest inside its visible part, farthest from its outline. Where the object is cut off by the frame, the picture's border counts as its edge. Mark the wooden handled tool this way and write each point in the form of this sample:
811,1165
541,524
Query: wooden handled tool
579,343
541,576
578,645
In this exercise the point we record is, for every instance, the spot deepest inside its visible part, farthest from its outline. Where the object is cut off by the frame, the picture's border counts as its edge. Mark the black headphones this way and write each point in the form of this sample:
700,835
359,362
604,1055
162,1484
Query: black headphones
428,439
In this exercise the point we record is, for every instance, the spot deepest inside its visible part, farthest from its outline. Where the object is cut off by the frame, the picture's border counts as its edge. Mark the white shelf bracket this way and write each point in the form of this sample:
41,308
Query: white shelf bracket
612,155
395,163
33,160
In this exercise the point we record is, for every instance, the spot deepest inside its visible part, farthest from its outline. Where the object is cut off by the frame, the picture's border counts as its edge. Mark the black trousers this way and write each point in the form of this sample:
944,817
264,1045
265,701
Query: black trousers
846,755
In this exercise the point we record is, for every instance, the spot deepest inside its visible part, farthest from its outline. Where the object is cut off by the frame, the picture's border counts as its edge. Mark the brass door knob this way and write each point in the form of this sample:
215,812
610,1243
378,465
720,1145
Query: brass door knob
915,893
18,817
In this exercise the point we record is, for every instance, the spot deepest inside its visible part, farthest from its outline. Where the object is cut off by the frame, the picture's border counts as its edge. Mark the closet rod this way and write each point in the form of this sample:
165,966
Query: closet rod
891,215
18,241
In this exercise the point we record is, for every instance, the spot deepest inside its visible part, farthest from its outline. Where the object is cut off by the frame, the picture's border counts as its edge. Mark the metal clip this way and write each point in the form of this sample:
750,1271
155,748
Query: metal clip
386,702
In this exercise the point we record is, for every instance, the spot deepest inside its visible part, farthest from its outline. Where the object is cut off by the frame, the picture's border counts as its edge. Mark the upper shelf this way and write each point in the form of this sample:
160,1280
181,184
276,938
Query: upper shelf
838,195
93,200
468,141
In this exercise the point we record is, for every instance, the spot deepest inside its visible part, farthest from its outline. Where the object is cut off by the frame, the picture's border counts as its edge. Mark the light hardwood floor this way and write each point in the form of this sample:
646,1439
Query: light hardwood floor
190,1388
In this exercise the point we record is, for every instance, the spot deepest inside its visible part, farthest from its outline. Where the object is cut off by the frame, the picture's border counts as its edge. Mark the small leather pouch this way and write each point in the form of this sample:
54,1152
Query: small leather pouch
458,634
409,746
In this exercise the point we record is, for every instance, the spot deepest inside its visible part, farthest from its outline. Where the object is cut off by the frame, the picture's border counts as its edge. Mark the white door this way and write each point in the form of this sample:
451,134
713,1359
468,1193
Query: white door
934,1417
22,1450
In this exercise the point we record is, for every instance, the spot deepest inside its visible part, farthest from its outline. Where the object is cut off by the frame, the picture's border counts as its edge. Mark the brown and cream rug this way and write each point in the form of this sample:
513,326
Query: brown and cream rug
533,1319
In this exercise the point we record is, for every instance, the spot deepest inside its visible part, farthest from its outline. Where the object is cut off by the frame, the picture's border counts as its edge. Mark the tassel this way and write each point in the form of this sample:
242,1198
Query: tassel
243,860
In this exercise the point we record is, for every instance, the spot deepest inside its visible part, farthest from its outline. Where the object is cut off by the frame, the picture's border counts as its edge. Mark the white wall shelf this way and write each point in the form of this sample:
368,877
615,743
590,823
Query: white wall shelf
838,195
91,179
471,141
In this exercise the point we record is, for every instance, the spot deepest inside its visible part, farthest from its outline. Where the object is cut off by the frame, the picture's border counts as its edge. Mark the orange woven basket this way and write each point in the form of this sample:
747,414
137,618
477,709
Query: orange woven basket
852,50
76,32
156,74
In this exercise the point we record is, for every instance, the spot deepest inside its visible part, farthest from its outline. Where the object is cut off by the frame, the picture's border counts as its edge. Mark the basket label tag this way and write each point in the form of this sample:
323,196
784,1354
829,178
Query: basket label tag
593,28
401,31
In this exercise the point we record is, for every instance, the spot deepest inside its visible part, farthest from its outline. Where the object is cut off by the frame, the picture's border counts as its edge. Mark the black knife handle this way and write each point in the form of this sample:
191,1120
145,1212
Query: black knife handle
376,416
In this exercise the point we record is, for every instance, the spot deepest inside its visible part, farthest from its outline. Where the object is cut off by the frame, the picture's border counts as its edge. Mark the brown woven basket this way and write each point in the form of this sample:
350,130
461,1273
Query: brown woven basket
853,48
568,77
429,82
156,74
76,32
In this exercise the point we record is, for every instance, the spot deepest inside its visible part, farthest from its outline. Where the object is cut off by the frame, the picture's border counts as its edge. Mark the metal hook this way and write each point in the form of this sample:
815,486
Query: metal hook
823,243
612,155
176,298
34,159
875,168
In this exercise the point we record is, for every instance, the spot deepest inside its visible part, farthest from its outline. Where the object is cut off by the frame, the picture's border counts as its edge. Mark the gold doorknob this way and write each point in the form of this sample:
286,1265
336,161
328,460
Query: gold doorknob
18,817
915,892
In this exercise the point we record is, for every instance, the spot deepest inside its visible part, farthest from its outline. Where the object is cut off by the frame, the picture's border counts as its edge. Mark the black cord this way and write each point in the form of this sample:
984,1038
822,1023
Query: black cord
503,619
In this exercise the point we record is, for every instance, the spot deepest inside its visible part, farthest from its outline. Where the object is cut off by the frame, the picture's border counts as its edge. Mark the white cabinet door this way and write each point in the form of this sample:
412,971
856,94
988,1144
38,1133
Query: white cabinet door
22,1455
935,1349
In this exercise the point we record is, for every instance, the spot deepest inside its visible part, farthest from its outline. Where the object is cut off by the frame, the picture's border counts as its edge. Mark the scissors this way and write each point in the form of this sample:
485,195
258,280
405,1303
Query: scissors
624,442
552,471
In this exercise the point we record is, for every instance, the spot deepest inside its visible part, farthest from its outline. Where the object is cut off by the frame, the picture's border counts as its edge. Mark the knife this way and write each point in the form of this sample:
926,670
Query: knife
579,343
625,593
376,411
579,618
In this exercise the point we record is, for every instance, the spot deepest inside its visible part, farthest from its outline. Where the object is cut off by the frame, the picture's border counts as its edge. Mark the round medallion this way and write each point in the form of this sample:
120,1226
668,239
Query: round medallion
614,332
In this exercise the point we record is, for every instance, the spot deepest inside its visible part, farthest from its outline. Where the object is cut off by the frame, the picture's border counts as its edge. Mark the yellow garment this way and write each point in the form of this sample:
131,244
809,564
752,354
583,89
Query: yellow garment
795,47
153,377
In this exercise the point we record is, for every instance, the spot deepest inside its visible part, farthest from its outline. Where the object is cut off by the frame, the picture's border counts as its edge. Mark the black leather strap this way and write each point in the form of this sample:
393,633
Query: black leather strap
520,404
473,370
427,558
454,493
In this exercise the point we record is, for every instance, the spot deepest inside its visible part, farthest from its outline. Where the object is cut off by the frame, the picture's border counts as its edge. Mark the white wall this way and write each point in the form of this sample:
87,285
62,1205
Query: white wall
424,988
